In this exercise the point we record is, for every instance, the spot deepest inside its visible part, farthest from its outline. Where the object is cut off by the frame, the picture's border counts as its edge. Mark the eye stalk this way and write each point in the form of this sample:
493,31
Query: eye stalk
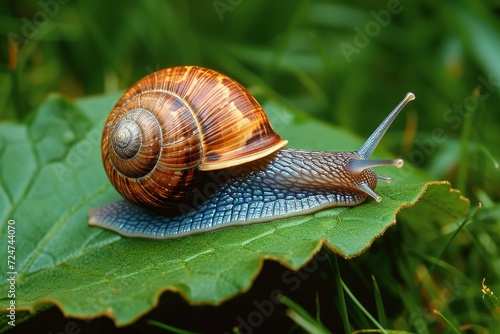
195,146
366,150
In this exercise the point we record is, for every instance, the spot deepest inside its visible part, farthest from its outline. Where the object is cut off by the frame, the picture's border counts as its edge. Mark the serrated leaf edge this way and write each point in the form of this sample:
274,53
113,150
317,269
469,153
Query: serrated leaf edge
109,312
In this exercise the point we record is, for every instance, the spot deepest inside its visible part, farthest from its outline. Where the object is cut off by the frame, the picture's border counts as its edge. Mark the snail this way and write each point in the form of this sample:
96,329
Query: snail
192,151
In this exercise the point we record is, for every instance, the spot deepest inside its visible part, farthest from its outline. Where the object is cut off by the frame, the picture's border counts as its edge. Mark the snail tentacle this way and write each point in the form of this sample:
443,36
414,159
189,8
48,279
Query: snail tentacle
191,151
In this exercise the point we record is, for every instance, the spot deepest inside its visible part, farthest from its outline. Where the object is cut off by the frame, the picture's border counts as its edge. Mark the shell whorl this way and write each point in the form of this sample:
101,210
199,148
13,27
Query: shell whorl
199,120
174,123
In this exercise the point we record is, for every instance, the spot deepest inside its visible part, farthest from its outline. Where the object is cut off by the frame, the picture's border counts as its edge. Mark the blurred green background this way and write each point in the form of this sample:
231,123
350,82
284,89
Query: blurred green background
346,62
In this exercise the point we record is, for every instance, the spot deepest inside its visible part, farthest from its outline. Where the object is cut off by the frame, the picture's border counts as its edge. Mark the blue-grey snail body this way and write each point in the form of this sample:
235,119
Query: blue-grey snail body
192,151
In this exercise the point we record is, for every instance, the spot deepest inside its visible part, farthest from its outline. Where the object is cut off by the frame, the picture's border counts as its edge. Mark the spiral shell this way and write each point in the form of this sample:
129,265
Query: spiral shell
176,122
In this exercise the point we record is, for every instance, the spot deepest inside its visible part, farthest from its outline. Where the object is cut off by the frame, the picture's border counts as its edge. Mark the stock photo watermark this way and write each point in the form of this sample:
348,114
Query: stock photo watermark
12,272
92,140
216,179
76,157
421,319
454,118
150,69
70,327
371,29
30,26
222,6
264,309
280,118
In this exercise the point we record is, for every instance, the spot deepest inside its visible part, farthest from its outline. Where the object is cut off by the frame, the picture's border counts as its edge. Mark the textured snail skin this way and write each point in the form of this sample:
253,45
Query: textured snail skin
287,183
192,151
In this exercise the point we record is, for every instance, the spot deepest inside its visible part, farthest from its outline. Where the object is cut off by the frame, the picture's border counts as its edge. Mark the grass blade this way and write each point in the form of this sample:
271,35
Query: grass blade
170,329
340,290
448,322
302,318
382,317
362,308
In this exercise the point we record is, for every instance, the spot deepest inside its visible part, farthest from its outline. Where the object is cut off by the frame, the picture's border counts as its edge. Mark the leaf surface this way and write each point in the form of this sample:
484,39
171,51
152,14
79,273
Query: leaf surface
52,175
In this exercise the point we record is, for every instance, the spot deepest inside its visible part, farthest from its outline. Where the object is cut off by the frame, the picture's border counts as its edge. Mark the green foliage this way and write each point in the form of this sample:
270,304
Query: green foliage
314,57
67,180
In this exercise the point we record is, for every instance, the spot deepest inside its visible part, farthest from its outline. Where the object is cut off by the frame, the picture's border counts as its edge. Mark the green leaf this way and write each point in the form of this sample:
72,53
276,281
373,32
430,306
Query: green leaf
52,175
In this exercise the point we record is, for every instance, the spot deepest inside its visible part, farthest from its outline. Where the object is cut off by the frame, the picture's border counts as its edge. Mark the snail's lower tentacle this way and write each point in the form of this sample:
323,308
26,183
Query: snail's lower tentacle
196,147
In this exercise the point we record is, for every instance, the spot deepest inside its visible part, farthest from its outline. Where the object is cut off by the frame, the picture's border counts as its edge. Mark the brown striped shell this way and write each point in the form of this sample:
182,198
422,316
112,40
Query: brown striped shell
176,122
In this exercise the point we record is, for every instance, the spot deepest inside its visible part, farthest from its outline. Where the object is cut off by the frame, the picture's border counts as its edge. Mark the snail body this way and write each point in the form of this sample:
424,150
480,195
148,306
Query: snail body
192,151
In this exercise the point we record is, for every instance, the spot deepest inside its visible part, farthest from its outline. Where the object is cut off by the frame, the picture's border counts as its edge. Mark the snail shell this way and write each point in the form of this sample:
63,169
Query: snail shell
192,151
175,123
